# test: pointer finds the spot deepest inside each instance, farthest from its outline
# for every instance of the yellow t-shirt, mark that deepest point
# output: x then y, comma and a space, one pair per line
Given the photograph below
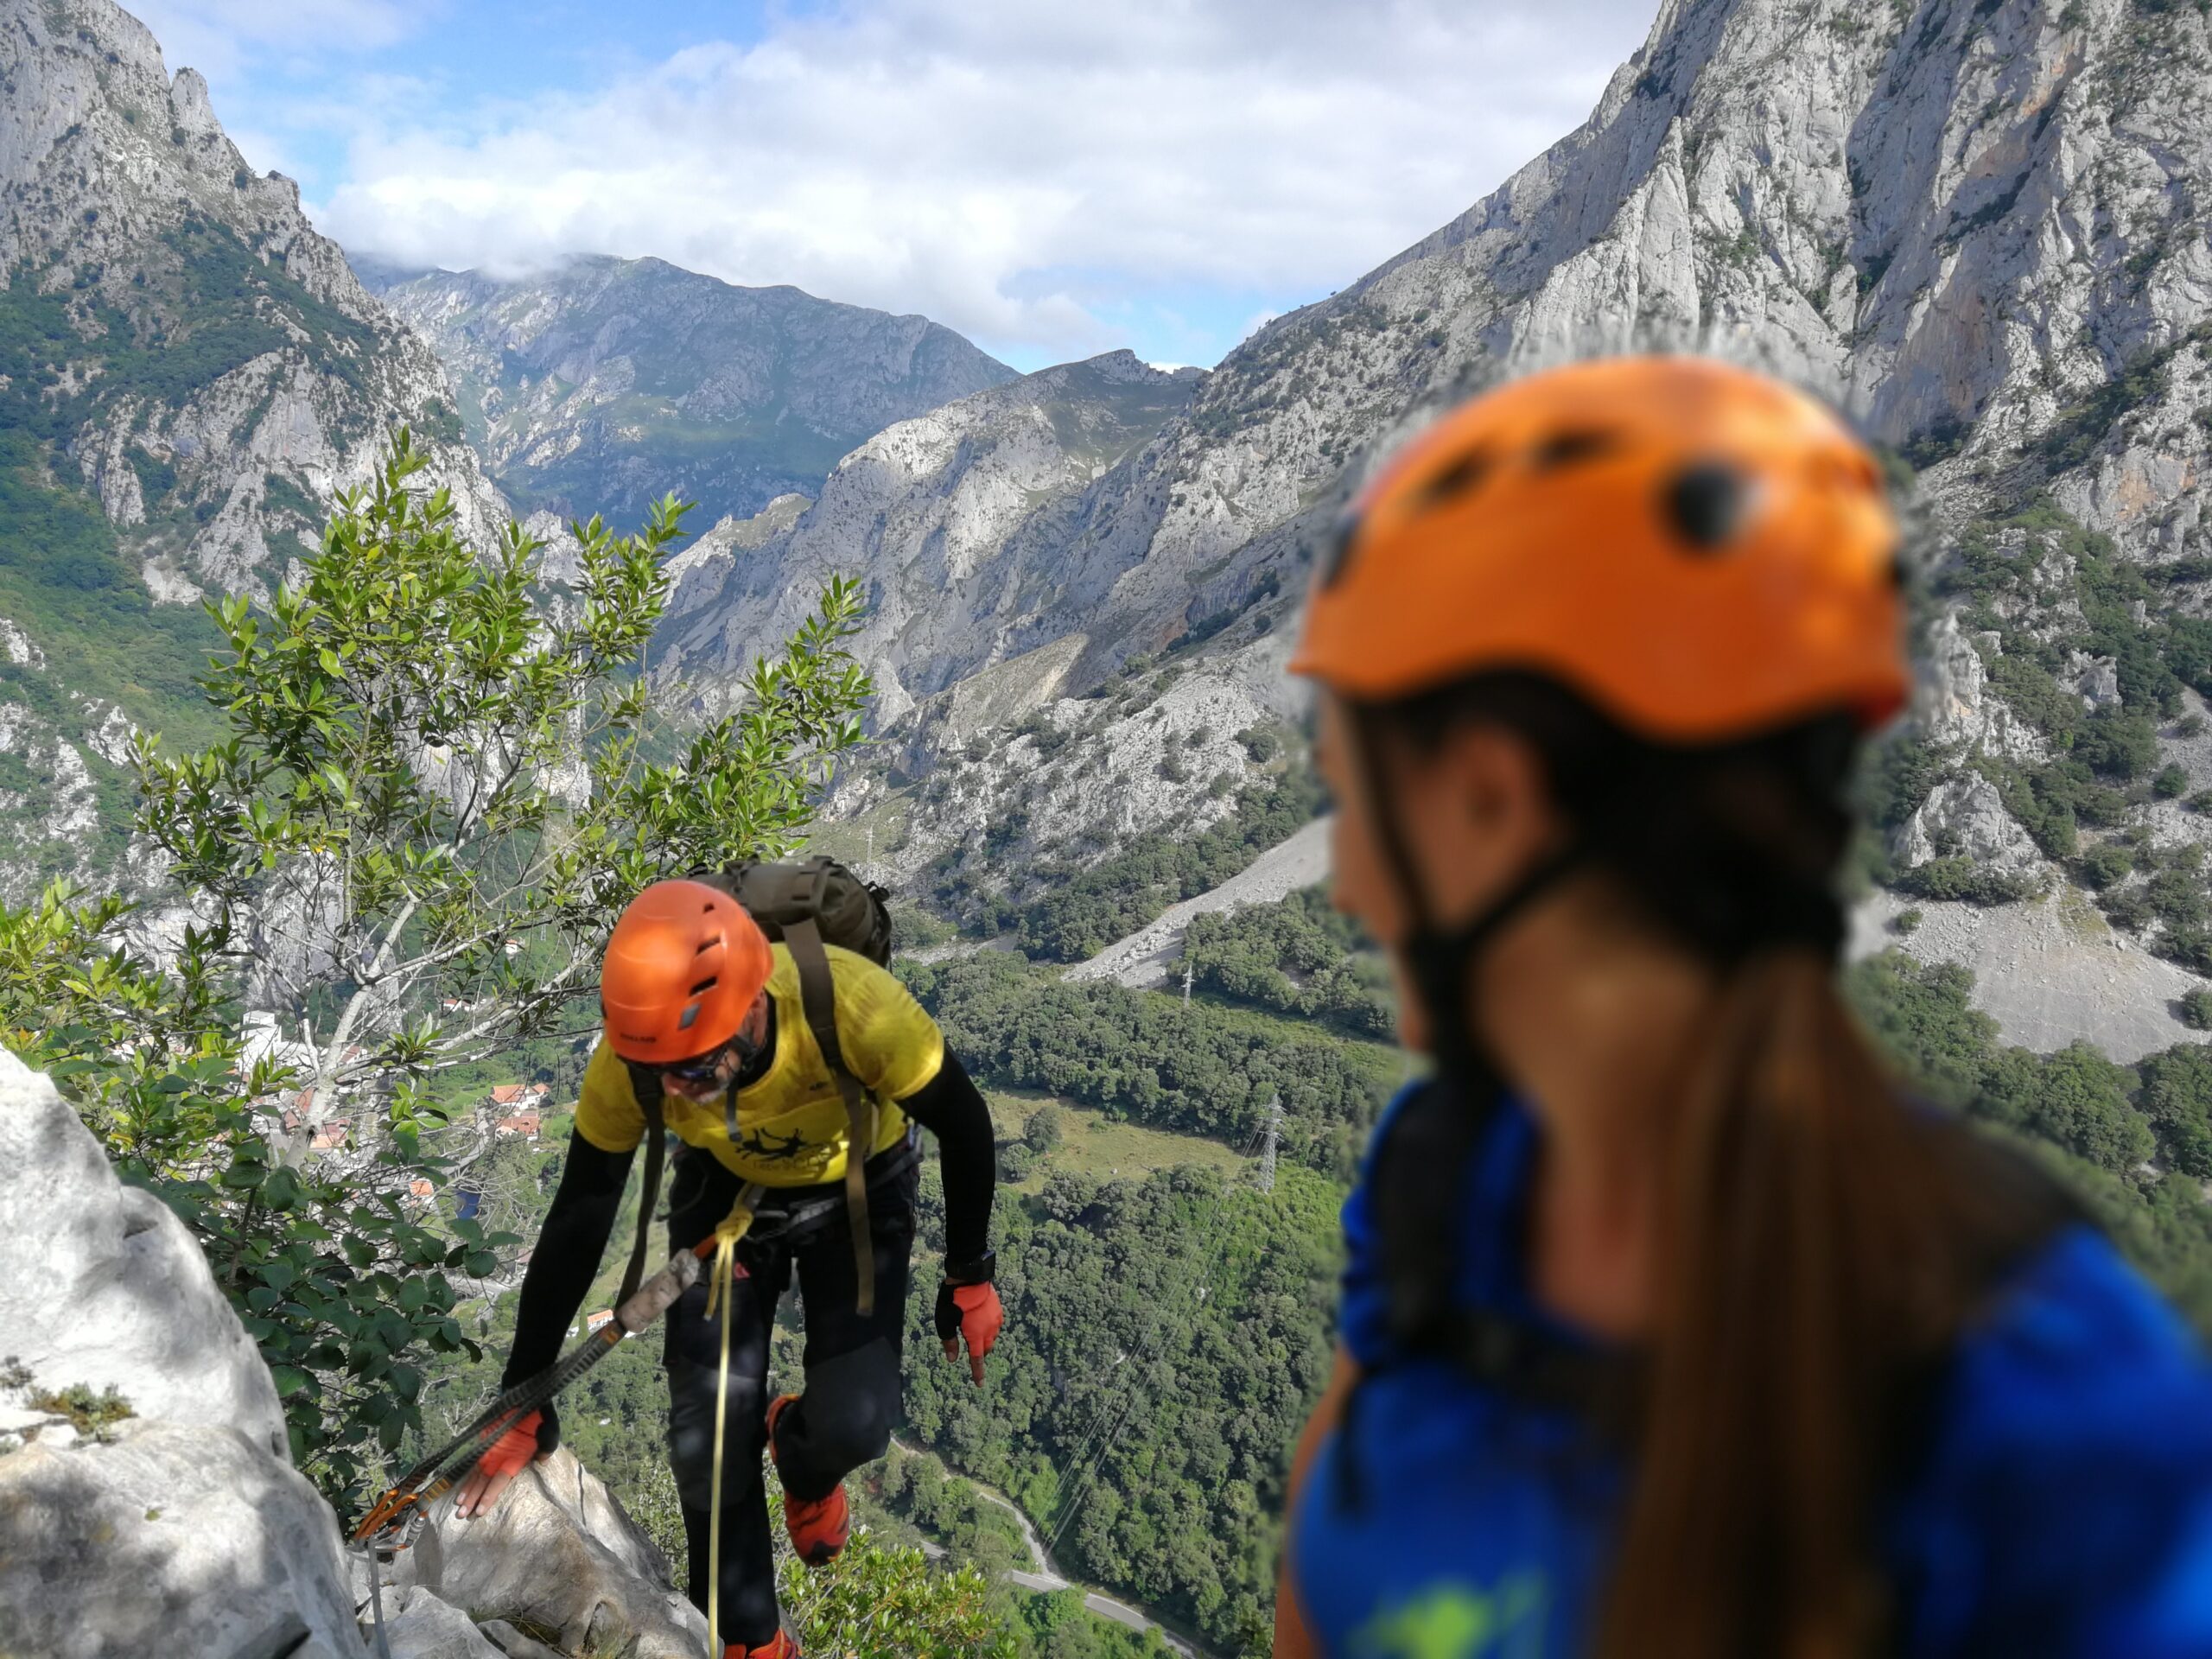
791, 1124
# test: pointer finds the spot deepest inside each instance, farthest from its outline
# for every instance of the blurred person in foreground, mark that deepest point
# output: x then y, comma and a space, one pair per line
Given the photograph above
1670, 1326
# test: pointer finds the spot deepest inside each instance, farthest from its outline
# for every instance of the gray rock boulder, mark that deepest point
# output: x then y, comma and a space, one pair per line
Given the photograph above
170, 1538
560, 1553
1965, 816
101, 1285
424, 1627
182, 1528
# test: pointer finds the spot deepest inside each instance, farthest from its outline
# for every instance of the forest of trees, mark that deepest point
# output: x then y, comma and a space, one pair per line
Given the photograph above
1199, 1070
2096, 1122
1166, 1338
1297, 956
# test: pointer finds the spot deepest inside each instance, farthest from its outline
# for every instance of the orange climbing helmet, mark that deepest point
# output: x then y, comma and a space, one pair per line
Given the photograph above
684, 967
1699, 550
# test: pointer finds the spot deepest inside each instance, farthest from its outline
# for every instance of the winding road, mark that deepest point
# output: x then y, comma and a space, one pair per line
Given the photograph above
1044, 1576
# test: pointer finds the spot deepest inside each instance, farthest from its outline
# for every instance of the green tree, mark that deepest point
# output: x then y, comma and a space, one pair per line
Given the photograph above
441, 781
436, 784
1045, 1128
2178, 1096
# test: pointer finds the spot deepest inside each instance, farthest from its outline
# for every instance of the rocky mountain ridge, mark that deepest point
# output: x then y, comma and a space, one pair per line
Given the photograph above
1978, 224
602, 385
220, 361
188, 373
923, 512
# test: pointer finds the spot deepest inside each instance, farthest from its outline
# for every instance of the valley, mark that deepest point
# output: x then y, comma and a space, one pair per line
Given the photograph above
1079, 764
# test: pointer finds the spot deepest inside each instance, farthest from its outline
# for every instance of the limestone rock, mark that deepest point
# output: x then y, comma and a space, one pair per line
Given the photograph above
173, 1538
560, 1553
101, 1285
423, 1626
1966, 816
942, 515
121, 187
1954, 708
513, 1644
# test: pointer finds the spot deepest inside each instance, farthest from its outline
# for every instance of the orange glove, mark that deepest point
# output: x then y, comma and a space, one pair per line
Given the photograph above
970, 1312
511, 1452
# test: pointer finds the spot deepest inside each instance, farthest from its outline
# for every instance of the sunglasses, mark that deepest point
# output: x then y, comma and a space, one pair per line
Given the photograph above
708, 1067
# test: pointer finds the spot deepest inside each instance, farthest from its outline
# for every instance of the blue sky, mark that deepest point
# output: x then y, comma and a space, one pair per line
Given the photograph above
1051, 181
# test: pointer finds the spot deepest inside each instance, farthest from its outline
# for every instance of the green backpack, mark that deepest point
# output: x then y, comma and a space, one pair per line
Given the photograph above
805, 906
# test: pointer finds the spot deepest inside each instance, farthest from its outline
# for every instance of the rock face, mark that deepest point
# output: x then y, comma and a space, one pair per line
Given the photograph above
1964, 817
101, 1285
561, 1555
219, 371
605, 384
1975, 226
147, 1504
188, 373
172, 1540
1961, 221
181, 1528
934, 514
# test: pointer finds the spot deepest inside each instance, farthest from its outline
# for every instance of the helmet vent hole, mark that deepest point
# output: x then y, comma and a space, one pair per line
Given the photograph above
1706, 503
1339, 550
706, 984
1576, 446
1462, 474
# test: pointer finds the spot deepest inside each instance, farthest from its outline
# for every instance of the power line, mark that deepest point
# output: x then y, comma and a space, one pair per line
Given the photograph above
1275, 1136
1092, 1457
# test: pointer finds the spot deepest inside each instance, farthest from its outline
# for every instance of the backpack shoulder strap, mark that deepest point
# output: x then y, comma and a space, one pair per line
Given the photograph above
818, 990
645, 1083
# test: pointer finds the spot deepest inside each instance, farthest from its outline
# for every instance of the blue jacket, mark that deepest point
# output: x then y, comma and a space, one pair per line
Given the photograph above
2065, 1508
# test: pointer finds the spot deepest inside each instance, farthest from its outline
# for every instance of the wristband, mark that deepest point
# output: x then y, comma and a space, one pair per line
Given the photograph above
980, 1271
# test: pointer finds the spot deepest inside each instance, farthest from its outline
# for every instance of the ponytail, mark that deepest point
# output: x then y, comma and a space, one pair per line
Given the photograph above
1822, 1239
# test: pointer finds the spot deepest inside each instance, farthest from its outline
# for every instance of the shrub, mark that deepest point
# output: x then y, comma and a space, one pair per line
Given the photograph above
1906, 921
2104, 864
1959, 877
2196, 1010
2171, 780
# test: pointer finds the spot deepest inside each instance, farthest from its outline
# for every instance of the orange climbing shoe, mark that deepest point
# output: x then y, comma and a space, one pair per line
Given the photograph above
818, 1528
786, 1646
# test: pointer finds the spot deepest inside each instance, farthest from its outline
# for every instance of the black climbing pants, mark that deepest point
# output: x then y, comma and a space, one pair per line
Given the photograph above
842, 1418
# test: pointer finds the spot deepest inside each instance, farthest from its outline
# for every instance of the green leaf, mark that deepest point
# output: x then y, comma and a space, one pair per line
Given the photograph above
282, 1190
290, 1380
482, 1264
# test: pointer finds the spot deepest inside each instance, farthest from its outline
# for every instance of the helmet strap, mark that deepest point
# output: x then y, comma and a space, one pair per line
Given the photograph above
1443, 959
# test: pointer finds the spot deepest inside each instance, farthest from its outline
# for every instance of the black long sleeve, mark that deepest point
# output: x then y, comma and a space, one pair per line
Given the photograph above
949, 1106
566, 1258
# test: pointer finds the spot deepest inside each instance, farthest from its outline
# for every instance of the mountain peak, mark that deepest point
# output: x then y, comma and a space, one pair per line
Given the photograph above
600, 384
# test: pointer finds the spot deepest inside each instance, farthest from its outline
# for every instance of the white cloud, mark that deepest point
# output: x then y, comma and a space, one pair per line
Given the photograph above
994, 163
218, 36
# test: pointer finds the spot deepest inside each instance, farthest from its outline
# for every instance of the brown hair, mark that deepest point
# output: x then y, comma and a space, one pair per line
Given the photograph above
1823, 1239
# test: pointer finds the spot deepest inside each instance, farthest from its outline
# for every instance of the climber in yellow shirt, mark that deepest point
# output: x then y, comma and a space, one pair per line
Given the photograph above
695, 996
